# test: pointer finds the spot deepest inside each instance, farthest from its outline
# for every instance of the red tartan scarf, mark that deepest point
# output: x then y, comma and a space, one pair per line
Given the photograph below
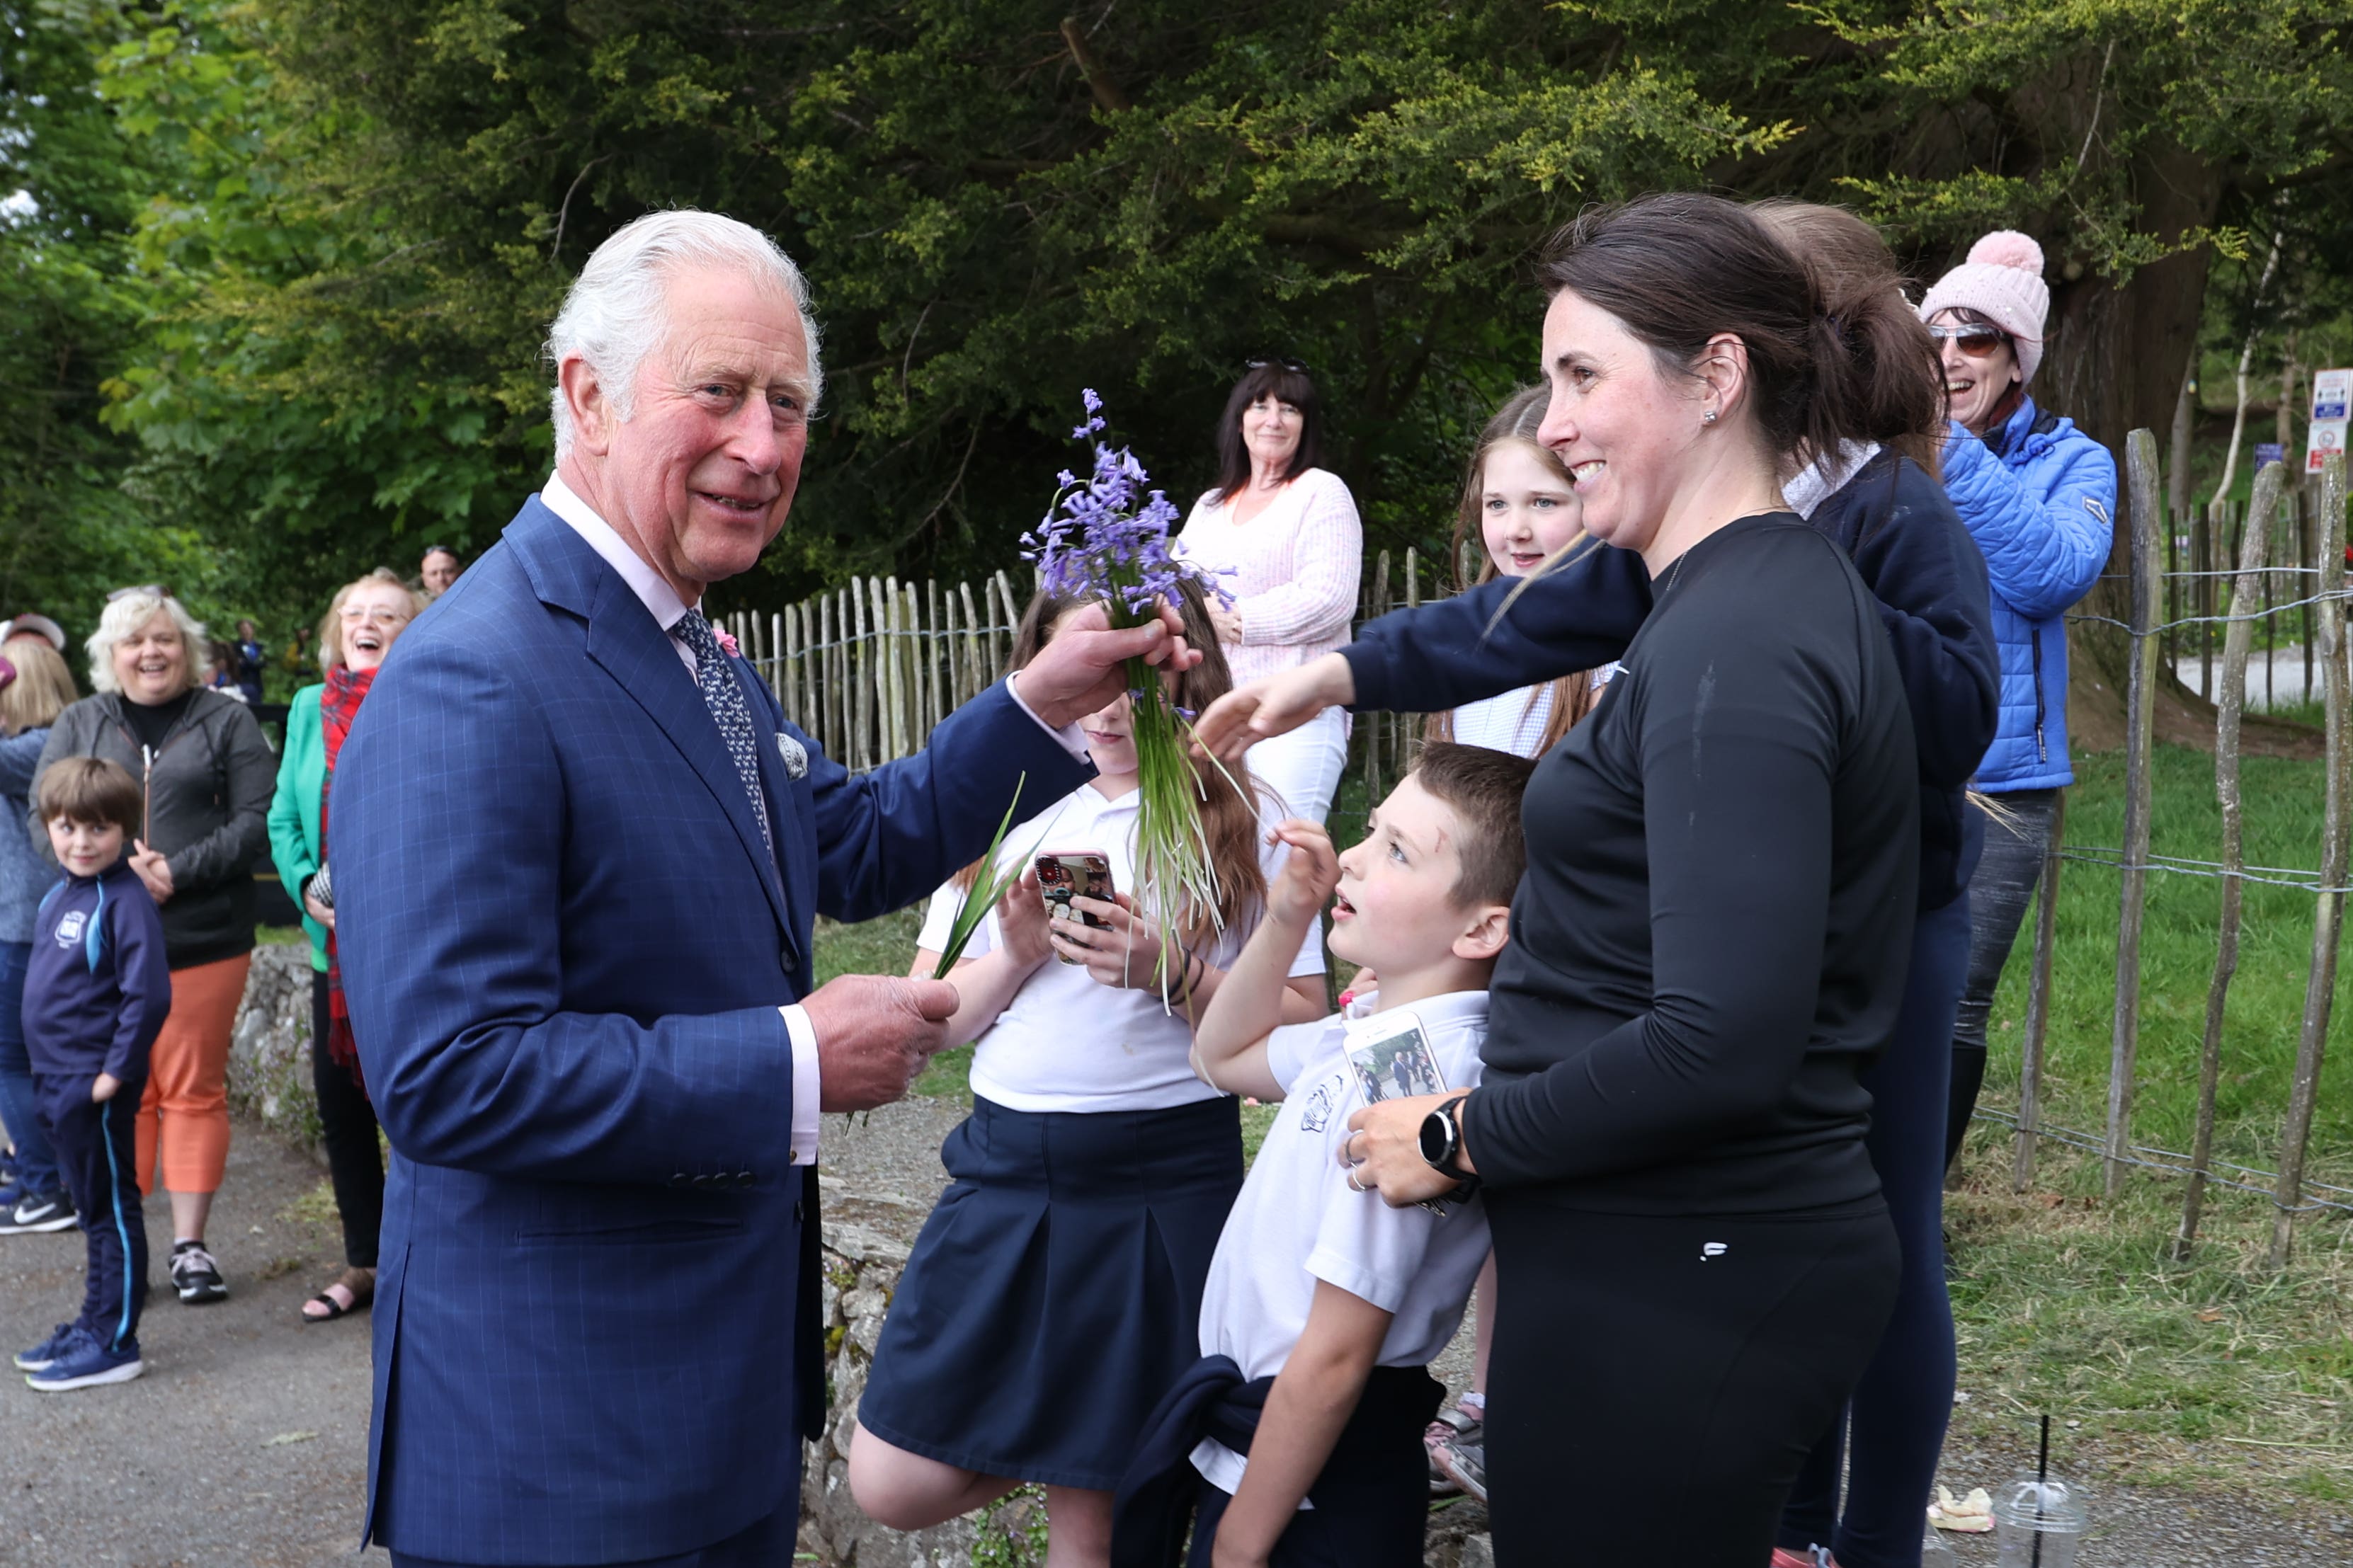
339, 704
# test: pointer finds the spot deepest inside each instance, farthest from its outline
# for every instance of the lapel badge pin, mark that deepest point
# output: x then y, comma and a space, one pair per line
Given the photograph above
796, 757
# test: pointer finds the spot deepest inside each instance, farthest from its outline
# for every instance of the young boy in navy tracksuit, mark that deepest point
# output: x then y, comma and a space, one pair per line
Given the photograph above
95, 993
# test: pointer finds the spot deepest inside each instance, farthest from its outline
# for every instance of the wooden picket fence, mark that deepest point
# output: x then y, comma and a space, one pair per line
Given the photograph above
2202, 549
868, 670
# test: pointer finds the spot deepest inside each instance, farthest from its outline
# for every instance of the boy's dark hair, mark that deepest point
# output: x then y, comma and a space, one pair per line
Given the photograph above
1482, 788
90, 789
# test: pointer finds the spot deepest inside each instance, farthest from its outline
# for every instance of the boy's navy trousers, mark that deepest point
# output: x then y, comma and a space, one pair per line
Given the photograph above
94, 1145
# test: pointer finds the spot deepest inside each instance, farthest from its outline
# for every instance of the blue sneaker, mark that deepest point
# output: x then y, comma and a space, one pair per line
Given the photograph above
88, 1363
42, 1356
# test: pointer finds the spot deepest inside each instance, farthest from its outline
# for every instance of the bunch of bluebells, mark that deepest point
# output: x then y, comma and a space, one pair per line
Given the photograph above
1106, 537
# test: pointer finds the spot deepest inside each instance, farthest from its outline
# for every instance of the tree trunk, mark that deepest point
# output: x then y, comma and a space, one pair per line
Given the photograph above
2115, 362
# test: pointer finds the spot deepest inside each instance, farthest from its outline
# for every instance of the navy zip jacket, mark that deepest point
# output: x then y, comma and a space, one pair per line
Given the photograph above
97, 987
1908, 545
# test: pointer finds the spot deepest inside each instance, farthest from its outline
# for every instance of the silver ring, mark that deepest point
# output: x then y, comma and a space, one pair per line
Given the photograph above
1354, 1185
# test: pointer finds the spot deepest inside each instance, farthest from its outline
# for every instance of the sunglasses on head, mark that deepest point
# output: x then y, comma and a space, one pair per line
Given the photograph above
1977, 341
1296, 367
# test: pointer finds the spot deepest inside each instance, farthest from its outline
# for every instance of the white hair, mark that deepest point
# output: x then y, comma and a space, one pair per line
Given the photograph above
617, 310
127, 615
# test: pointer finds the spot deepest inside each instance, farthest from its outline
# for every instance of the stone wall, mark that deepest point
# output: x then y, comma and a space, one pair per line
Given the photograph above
270, 1046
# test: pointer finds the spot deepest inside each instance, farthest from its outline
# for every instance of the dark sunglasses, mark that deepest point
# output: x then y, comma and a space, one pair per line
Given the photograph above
1296, 367
1977, 341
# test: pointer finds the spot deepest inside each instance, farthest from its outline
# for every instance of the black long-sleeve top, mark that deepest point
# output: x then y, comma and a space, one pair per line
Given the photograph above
1896, 523
1712, 937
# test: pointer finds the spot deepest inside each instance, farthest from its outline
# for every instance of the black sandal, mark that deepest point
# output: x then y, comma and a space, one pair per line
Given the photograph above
362, 1295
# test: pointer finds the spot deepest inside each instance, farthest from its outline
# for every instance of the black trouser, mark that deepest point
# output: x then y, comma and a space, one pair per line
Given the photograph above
347, 1126
1372, 1498
2000, 891
96, 1148
1905, 1399
1657, 1380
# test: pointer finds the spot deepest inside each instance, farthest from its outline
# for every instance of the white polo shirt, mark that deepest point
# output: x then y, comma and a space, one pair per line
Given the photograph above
1066, 1042
1298, 1221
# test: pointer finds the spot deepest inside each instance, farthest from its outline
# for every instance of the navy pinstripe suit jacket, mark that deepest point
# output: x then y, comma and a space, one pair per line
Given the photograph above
565, 945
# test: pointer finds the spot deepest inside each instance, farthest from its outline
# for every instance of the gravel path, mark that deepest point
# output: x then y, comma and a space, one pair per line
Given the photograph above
244, 1447
244, 1444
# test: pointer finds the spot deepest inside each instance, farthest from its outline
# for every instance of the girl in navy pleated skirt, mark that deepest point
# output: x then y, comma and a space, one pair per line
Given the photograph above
1055, 1291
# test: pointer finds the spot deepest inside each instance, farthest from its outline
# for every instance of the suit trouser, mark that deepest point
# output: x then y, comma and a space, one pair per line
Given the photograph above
94, 1142
768, 1543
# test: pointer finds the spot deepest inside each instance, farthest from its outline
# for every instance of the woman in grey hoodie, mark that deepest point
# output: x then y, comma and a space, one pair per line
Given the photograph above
208, 775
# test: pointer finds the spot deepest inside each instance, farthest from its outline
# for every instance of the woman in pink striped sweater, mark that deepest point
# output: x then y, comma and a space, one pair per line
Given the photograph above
1283, 536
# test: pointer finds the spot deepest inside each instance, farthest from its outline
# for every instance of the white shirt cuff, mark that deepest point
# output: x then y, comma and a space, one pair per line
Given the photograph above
803, 1034
1073, 738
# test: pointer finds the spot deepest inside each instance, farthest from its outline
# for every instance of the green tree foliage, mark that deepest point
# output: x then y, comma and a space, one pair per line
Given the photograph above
71, 307
350, 221
994, 211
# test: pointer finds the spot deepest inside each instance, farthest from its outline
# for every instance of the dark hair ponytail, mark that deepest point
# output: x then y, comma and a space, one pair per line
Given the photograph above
1679, 269
1889, 361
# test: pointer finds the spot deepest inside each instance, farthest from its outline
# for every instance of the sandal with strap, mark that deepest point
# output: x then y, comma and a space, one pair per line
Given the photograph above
1444, 1428
360, 1282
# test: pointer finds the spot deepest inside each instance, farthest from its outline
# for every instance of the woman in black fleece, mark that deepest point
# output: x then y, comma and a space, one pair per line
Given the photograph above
1712, 939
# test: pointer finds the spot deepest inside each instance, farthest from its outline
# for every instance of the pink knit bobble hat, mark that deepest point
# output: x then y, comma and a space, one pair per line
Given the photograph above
2001, 280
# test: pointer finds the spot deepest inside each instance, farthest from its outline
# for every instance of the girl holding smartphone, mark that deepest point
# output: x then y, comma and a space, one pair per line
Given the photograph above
1055, 1292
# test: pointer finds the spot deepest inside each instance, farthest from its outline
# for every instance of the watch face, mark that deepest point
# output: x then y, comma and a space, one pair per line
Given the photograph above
1434, 1140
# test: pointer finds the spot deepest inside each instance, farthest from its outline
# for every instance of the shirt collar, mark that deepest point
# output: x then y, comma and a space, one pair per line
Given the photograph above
661, 600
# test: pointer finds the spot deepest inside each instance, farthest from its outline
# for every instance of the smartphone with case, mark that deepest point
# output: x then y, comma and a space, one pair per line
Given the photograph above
1390, 1059
1074, 874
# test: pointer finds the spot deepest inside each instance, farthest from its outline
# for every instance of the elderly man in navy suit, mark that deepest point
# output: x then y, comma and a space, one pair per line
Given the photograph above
575, 852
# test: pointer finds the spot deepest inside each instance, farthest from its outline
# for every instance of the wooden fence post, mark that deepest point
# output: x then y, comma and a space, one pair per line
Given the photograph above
2320, 985
2038, 1002
934, 661
2255, 542
2140, 709
976, 670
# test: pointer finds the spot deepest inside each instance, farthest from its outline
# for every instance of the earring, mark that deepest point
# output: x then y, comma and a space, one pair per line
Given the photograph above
1708, 417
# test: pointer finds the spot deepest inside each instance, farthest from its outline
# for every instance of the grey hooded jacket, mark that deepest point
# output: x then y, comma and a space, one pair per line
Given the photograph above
208, 788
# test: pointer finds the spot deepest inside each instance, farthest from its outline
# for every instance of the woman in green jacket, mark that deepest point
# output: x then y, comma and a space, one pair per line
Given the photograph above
365, 619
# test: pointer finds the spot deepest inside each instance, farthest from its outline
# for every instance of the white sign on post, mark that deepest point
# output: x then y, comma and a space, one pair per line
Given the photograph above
2332, 401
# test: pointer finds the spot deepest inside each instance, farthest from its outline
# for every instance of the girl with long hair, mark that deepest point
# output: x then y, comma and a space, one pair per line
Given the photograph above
1055, 1292
1519, 509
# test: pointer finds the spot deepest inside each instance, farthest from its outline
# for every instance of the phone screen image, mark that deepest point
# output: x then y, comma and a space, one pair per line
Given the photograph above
1395, 1061
1081, 874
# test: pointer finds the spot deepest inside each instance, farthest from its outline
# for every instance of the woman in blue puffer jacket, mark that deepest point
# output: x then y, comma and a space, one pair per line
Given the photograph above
2039, 496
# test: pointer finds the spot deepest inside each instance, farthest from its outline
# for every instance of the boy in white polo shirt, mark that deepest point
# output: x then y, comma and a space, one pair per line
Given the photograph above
1299, 1433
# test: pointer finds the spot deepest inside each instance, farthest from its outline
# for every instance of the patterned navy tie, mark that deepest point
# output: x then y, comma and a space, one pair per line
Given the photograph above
716, 675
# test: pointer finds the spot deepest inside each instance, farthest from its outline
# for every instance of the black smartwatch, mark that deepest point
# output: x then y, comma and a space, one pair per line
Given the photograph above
1442, 1144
